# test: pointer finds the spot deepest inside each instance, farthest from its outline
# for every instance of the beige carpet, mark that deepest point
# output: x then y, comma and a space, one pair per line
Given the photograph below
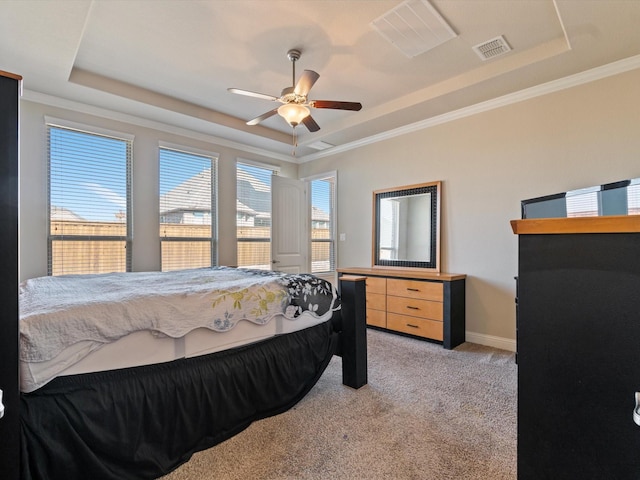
427, 413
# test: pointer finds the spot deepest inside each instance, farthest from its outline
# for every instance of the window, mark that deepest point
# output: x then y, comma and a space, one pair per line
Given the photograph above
187, 210
323, 241
583, 203
389, 229
633, 197
253, 216
89, 201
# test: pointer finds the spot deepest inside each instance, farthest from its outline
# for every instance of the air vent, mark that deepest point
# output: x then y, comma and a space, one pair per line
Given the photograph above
320, 145
492, 48
414, 27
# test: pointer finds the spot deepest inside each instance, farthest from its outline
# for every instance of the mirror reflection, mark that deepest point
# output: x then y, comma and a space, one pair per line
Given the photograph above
406, 227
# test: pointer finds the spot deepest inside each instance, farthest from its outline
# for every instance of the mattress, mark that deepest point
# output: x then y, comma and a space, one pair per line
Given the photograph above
149, 318
144, 348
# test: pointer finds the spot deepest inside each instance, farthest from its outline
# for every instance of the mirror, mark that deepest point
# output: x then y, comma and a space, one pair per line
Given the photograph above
406, 227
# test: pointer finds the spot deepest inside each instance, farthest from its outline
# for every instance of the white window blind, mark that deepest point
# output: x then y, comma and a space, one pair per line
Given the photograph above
187, 210
323, 241
389, 228
89, 202
253, 216
633, 198
583, 202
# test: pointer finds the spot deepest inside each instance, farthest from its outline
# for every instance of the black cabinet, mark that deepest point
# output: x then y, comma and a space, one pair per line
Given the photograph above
10, 423
579, 350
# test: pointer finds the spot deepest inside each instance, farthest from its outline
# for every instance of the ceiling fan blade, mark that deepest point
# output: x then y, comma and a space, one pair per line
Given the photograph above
355, 106
310, 123
252, 94
308, 78
262, 117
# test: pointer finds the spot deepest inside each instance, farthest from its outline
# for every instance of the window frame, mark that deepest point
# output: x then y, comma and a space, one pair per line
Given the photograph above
275, 170
333, 222
213, 238
60, 124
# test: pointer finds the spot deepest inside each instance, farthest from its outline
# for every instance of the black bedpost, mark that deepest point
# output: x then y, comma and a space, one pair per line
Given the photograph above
454, 314
353, 340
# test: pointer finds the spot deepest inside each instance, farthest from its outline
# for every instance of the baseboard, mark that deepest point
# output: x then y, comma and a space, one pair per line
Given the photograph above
491, 341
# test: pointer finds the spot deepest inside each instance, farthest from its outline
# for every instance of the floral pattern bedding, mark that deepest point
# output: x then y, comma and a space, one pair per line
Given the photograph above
56, 312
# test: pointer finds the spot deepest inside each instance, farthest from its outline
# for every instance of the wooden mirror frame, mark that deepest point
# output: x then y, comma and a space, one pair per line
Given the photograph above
433, 264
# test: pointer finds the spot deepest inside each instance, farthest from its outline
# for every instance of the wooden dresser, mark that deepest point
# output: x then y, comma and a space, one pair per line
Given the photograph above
423, 304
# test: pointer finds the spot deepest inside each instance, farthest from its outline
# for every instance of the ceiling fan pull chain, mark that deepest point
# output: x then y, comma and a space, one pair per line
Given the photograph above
295, 141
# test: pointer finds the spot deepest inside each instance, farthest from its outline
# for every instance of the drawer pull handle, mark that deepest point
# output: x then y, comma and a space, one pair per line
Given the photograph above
413, 289
412, 326
413, 308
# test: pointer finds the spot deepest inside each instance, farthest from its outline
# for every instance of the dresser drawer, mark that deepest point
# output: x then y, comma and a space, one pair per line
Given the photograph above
376, 285
415, 289
377, 318
377, 301
413, 301
415, 326
415, 307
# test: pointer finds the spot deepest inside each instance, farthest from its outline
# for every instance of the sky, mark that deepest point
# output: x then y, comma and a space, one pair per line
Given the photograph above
85, 168
89, 177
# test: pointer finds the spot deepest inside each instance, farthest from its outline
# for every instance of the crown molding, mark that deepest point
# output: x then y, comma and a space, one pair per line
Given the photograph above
588, 76
58, 102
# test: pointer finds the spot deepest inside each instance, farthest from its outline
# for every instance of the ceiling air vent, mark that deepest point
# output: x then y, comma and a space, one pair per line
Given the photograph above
320, 145
492, 48
414, 27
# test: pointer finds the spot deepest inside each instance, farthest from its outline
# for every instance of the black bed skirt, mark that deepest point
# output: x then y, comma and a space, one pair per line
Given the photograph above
143, 422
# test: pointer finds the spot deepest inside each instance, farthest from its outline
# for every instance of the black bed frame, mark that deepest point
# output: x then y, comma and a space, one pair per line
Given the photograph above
143, 422
352, 346
353, 339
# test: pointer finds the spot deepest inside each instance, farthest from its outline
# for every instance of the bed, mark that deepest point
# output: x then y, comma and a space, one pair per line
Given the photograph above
127, 375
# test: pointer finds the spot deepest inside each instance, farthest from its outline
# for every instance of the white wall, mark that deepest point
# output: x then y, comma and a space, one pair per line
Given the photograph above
146, 244
584, 136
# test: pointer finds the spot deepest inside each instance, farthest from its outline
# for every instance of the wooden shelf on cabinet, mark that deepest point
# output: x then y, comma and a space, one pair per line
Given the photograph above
422, 304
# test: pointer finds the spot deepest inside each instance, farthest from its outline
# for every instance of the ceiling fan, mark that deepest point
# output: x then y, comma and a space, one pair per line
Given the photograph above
294, 99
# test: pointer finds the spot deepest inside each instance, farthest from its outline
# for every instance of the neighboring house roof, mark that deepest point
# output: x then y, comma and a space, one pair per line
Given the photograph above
319, 214
241, 207
64, 214
255, 194
197, 190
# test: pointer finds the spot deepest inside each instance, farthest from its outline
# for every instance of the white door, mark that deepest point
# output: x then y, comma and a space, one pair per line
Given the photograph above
290, 214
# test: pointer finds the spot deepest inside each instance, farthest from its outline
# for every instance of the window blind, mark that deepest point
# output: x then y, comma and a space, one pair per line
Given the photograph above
89, 192
187, 210
253, 216
323, 241
583, 203
633, 198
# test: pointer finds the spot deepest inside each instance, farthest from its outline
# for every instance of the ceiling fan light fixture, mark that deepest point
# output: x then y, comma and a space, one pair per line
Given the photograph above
293, 113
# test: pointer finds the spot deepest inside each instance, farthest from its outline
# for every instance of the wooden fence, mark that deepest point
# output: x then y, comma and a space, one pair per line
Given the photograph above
99, 256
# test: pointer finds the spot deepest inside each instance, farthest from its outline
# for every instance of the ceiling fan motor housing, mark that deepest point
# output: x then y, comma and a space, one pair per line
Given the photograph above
289, 96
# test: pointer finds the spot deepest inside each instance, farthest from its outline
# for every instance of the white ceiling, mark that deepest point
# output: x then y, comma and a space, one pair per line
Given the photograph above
171, 61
